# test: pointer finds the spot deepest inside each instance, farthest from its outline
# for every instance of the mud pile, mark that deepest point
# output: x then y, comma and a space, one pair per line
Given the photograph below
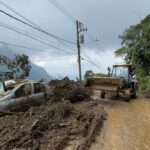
66, 89
51, 126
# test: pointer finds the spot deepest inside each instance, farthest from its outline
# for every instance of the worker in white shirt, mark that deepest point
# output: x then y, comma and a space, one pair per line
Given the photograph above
133, 80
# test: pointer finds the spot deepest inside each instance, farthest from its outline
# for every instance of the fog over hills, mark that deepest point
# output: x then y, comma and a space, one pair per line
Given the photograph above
36, 72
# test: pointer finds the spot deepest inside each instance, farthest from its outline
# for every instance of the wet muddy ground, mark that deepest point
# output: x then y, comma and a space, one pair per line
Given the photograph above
127, 126
55, 126
94, 125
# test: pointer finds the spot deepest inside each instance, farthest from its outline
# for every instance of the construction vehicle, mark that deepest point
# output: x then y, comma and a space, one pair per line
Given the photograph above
116, 83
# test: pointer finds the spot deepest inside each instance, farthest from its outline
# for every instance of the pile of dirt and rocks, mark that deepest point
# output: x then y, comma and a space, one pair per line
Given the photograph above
66, 89
54, 126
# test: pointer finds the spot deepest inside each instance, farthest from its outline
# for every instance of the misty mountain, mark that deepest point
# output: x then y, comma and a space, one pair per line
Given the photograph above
36, 72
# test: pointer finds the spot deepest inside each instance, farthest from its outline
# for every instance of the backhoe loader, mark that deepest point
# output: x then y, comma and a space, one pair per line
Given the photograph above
117, 83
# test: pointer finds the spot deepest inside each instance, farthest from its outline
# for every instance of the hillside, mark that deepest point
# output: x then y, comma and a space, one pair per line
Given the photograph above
36, 72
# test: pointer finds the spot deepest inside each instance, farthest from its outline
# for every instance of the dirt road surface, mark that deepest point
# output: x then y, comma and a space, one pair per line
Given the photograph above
126, 128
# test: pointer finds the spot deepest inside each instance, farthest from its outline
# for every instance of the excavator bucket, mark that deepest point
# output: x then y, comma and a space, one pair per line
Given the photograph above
104, 84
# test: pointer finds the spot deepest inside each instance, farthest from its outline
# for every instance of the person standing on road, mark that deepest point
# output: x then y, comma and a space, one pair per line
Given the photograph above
133, 80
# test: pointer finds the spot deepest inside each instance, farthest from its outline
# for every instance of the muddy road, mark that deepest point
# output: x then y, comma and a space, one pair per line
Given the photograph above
126, 128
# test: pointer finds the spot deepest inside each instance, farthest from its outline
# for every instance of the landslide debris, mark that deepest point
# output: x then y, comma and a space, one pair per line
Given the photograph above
56, 124
51, 126
66, 89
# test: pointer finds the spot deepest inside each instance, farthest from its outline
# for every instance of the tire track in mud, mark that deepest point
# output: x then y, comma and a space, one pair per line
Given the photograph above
127, 127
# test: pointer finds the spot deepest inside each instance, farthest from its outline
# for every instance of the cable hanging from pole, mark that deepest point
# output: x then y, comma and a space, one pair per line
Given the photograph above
45, 32
24, 47
25, 18
63, 10
50, 45
53, 59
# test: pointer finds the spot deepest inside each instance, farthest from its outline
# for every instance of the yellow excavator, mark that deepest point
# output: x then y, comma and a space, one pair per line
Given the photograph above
117, 83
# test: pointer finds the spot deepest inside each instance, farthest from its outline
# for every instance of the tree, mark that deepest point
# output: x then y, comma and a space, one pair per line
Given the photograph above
19, 67
22, 63
136, 47
88, 74
100, 75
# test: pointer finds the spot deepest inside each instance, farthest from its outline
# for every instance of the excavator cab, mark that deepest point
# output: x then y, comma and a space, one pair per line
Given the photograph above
123, 72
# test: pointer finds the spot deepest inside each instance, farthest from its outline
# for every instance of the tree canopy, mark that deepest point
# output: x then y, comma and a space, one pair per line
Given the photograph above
136, 46
19, 67
136, 50
90, 73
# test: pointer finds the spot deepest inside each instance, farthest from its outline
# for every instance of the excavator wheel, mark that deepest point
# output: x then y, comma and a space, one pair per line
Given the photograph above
102, 94
127, 99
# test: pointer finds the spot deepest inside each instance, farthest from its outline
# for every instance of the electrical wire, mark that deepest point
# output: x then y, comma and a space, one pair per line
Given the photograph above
28, 48
20, 46
70, 16
20, 15
52, 59
50, 45
63, 10
29, 33
96, 44
12, 38
41, 30
25, 18
92, 63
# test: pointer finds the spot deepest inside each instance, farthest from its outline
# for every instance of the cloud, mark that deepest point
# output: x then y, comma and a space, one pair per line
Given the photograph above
105, 20
68, 65
50, 60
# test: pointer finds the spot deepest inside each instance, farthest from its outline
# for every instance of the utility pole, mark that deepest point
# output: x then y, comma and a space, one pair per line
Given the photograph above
80, 29
78, 47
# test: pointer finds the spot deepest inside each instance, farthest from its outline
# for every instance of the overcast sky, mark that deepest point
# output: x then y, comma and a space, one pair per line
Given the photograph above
105, 20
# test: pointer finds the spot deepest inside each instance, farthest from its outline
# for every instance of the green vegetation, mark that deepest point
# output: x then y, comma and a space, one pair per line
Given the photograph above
145, 83
100, 75
90, 73
18, 67
136, 50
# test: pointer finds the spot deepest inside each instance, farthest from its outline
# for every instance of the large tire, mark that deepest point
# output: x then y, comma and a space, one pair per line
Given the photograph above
134, 95
127, 98
102, 94
117, 95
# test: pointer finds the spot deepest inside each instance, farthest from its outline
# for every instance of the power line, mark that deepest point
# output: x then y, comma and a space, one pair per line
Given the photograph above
63, 10
12, 38
30, 34
72, 18
92, 63
20, 46
41, 30
22, 30
25, 18
88, 57
8, 7
34, 38
52, 59
24, 47
90, 37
